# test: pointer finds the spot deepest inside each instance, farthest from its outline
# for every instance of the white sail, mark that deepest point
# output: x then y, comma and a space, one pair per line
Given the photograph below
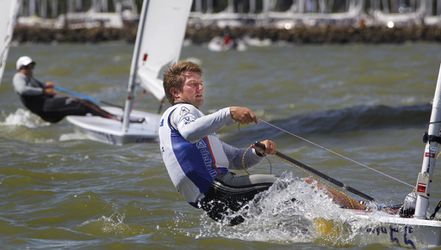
159, 39
161, 42
8, 12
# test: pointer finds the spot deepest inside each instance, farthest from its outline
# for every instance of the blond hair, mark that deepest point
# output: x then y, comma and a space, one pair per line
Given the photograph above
174, 78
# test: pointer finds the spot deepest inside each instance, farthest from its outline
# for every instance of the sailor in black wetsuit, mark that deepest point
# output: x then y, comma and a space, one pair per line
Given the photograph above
40, 98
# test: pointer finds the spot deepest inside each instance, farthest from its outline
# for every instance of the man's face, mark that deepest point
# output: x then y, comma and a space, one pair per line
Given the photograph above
27, 70
192, 90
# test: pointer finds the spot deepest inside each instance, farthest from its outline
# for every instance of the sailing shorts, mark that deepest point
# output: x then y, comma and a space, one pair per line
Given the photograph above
231, 192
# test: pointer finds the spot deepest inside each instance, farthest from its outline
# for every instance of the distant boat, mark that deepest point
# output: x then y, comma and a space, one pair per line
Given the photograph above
8, 13
161, 31
219, 44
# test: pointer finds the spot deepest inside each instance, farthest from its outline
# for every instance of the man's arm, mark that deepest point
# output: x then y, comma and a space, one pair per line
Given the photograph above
193, 125
20, 86
237, 158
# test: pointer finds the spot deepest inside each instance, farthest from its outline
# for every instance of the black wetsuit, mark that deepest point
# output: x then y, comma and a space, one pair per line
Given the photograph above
52, 108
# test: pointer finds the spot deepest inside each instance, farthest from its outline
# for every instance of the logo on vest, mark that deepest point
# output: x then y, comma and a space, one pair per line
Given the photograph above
184, 111
206, 156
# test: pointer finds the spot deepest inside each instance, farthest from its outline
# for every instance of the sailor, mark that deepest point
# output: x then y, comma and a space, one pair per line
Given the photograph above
40, 98
228, 39
198, 162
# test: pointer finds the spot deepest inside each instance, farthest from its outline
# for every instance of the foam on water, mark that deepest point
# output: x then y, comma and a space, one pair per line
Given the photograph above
273, 217
110, 225
73, 137
24, 118
256, 42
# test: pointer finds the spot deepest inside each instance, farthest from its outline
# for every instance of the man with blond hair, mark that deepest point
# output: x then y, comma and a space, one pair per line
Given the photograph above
197, 161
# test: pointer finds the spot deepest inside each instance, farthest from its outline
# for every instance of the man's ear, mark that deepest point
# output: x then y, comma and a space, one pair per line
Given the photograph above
175, 92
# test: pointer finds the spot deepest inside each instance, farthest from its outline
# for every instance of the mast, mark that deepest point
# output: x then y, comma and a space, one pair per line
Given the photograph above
430, 152
134, 67
8, 11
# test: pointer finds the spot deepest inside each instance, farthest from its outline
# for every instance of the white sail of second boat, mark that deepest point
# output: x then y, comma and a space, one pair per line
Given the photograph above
160, 35
8, 13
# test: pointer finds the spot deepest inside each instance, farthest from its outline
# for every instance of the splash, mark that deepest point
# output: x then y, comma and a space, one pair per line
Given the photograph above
256, 42
24, 118
274, 216
110, 225
73, 137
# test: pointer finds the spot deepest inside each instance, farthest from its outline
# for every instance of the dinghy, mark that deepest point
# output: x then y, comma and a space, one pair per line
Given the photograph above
161, 31
218, 44
419, 228
8, 12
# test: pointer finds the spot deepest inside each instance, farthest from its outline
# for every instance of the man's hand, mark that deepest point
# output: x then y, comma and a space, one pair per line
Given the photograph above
270, 147
50, 84
265, 147
243, 115
49, 91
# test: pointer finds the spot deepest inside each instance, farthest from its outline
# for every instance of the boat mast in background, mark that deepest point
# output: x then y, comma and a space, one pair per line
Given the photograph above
134, 68
161, 32
8, 13
158, 44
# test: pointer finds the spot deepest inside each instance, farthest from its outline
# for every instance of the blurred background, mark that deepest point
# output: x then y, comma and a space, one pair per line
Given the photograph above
297, 21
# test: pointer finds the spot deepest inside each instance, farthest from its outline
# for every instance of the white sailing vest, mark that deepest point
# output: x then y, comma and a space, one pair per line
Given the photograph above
192, 166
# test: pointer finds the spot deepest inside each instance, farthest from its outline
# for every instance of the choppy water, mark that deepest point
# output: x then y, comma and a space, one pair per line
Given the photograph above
368, 102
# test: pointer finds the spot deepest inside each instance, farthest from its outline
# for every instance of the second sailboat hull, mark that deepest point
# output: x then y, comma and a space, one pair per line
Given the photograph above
110, 131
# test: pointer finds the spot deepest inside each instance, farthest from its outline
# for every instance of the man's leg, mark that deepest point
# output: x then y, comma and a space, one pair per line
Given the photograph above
62, 106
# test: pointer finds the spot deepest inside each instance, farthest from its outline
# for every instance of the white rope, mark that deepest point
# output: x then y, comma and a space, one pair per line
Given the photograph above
337, 154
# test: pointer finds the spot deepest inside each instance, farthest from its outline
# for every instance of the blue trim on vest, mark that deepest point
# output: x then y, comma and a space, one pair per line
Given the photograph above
191, 159
195, 159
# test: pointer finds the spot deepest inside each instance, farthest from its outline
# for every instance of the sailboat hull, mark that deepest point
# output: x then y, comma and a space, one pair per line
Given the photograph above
408, 232
110, 131
388, 229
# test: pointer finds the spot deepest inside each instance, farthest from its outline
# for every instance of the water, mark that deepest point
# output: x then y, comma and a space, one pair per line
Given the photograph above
368, 102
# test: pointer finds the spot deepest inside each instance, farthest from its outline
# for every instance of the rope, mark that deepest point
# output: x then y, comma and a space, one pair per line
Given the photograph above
243, 159
244, 165
436, 210
337, 154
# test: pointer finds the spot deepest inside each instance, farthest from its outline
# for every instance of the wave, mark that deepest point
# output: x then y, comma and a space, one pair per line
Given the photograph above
362, 117
23, 118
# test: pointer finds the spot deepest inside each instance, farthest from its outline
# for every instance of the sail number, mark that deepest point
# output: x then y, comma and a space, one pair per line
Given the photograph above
397, 235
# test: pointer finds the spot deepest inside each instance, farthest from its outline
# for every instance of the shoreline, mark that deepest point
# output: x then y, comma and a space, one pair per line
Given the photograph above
198, 35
